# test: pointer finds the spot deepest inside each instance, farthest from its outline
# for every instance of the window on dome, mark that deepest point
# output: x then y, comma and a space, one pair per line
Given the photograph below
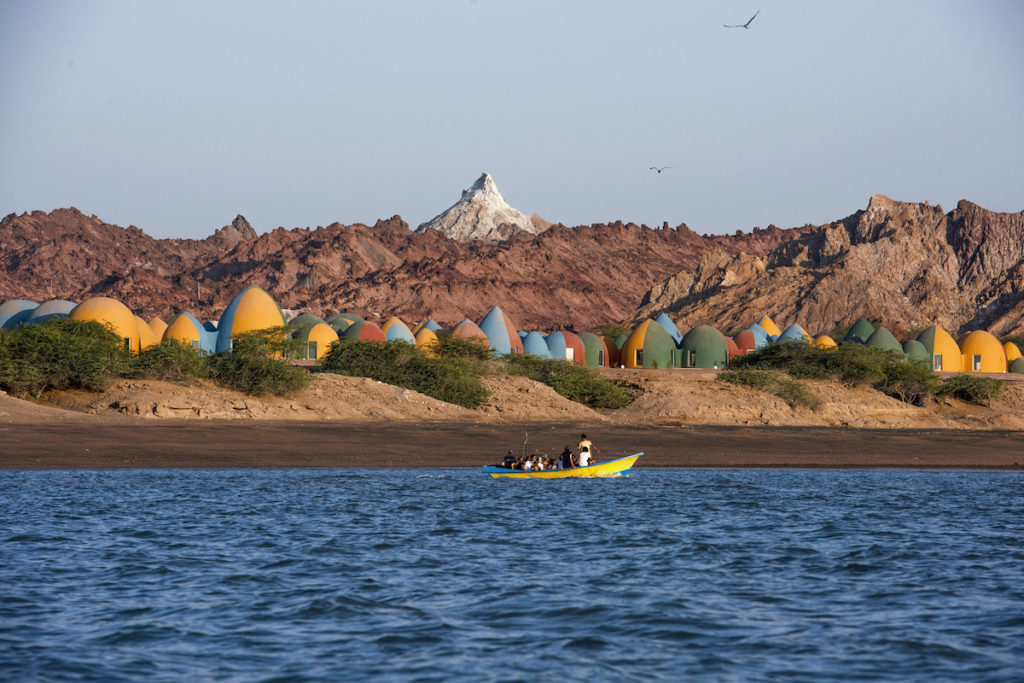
977, 362
937, 362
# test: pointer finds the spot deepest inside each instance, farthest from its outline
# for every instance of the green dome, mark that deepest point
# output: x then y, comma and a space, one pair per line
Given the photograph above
704, 347
860, 332
1017, 365
916, 352
884, 339
305, 319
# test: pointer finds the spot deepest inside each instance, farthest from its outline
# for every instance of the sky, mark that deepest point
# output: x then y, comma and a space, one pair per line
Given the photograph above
176, 116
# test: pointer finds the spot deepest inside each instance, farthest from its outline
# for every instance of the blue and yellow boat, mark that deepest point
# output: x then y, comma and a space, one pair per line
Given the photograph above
612, 468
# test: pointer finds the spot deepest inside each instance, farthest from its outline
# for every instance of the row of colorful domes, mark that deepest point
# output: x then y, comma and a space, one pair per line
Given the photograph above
657, 343
252, 309
977, 351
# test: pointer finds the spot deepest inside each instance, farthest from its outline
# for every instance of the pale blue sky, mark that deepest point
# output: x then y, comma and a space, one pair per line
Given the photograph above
175, 116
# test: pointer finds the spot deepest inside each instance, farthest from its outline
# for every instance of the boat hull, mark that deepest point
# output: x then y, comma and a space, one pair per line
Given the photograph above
612, 468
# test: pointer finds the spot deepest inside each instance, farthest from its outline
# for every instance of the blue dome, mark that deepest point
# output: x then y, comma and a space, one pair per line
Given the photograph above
760, 336
670, 327
399, 331
15, 311
54, 308
534, 343
793, 333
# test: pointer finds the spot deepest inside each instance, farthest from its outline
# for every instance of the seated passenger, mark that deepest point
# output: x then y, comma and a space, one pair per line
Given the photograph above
568, 462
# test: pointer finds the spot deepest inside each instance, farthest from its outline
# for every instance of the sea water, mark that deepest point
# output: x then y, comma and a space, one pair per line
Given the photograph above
343, 574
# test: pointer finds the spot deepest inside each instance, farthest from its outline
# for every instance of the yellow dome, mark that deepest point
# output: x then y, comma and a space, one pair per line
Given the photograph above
825, 342
253, 309
185, 329
943, 349
147, 337
426, 340
325, 338
769, 326
634, 343
158, 326
1012, 352
982, 352
112, 313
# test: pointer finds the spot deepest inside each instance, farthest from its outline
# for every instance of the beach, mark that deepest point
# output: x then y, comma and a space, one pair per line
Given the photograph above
126, 443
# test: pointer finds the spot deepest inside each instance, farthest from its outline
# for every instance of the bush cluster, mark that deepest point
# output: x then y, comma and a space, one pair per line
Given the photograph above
60, 354
971, 388
774, 382
574, 382
857, 364
70, 354
454, 377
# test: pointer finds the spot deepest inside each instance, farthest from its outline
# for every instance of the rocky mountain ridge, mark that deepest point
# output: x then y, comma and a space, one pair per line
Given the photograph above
903, 264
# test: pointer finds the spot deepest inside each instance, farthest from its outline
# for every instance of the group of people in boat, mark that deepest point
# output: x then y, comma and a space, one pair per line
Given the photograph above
583, 457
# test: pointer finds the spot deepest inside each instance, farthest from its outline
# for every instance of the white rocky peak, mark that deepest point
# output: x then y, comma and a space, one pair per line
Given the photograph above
483, 214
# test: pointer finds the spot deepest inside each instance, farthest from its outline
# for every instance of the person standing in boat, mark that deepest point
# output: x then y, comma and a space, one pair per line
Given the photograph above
586, 448
510, 460
568, 461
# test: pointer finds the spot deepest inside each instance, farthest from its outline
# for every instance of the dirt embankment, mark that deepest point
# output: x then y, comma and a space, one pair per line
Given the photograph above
663, 398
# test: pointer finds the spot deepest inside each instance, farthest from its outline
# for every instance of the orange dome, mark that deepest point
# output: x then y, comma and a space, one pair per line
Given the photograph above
147, 337
982, 352
426, 340
112, 313
158, 326
825, 342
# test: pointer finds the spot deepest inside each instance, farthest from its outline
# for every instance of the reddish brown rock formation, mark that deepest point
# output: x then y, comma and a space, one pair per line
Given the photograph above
904, 265
576, 277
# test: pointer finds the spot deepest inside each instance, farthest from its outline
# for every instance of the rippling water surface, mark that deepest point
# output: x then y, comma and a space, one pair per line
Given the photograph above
437, 575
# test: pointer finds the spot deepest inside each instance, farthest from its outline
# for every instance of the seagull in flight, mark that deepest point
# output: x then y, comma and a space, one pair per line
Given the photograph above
746, 25
659, 170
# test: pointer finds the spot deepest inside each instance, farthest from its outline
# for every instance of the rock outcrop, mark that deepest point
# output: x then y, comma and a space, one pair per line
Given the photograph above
907, 265
483, 214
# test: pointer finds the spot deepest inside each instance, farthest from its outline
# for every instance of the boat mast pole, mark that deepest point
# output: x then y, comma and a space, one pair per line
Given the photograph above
526, 445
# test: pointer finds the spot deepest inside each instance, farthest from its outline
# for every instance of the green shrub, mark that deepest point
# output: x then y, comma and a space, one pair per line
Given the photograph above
971, 388
255, 363
454, 378
574, 382
797, 395
749, 377
171, 360
456, 347
257, 375
908, 382
60, 354
272, 342
851, 363
774, 382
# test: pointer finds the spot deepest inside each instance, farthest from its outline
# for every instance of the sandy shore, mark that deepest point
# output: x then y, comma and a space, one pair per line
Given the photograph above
133, 443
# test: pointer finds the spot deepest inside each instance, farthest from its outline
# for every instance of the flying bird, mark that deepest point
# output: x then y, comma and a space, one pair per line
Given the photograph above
659, 170
746, 25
